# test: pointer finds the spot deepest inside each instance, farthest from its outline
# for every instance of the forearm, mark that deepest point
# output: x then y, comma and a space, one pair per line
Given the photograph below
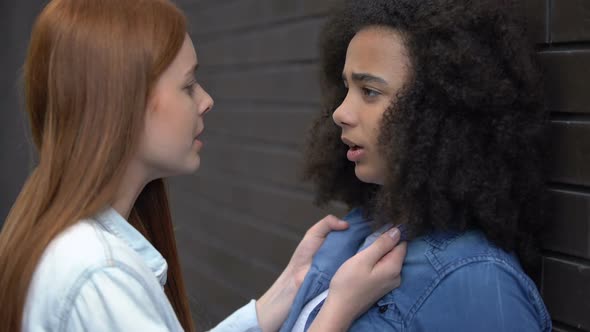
273, 307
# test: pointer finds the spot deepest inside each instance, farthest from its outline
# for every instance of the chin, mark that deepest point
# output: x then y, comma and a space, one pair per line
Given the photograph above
367, 175
363, 175
193, 167
188, 168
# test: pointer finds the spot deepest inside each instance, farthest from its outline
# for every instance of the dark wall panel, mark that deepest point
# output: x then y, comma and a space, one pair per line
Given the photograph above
570, 152
16, 19
536, 14
263, 122
257, 47
286, 83
567, 71
566, 290
262, 15
570, 21
569, 230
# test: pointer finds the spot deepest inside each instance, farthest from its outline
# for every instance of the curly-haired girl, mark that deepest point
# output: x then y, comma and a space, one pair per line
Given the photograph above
432, 119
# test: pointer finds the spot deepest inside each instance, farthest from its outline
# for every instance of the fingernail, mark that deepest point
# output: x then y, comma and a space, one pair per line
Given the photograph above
394, 234
342, 222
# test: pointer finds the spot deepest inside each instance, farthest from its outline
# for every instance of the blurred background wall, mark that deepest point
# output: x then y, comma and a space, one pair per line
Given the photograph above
16, 19
240, 217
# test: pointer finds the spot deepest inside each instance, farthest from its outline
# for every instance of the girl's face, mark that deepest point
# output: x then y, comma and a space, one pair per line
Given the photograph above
174, 120
376, 68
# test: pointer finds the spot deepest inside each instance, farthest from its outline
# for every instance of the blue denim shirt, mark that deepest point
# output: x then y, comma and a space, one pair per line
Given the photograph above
450, 282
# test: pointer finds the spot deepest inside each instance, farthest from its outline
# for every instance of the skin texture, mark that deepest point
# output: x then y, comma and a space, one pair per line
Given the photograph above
376, 69
169, 144
175, 118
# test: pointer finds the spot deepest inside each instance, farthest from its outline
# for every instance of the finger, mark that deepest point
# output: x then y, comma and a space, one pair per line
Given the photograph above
326, 225
390, 265
383, 245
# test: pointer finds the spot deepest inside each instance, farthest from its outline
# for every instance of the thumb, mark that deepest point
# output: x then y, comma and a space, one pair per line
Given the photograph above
383, 245
391, 263
326, 225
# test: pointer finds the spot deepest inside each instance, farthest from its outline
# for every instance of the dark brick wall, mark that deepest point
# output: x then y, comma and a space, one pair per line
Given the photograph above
563, 38
239, 218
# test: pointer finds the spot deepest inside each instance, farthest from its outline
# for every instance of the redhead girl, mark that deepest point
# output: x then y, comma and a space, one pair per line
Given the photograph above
115, 106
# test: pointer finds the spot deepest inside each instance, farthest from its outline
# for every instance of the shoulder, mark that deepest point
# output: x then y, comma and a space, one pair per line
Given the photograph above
471, 255
72, 261
461, 282
109, 298
477, 284
80, 248
482, 295
116, 298
448, 250
83, 247
440, 253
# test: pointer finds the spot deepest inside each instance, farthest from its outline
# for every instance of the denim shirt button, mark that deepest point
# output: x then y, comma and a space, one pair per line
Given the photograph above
383, 309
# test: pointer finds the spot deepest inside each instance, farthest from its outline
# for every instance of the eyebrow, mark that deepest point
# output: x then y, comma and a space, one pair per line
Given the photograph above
366, 78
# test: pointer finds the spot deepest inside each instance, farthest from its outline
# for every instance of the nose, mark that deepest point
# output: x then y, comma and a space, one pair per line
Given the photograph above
343, 116
206, 104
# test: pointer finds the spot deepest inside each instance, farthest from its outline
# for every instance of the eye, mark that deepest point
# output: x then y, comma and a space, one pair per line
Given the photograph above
190, 88
370, 92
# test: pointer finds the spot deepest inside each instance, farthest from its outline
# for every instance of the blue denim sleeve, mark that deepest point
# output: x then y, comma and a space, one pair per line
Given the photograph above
481, 296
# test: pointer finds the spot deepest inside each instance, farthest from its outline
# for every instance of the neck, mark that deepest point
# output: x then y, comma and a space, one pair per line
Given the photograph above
134, 181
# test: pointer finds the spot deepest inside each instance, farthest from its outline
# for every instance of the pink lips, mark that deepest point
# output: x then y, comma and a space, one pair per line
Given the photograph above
198, 144
355, 154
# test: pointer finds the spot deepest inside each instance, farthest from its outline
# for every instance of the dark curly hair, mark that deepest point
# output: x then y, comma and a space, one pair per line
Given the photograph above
462, 140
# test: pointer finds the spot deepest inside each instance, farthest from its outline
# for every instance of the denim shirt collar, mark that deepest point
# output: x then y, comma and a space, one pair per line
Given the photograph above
116, 225
337, 248
340, 246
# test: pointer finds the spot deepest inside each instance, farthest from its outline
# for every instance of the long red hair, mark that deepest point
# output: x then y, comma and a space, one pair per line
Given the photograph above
88, 75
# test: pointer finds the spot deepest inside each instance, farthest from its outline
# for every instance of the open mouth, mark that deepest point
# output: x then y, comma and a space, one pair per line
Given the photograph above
355, 153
